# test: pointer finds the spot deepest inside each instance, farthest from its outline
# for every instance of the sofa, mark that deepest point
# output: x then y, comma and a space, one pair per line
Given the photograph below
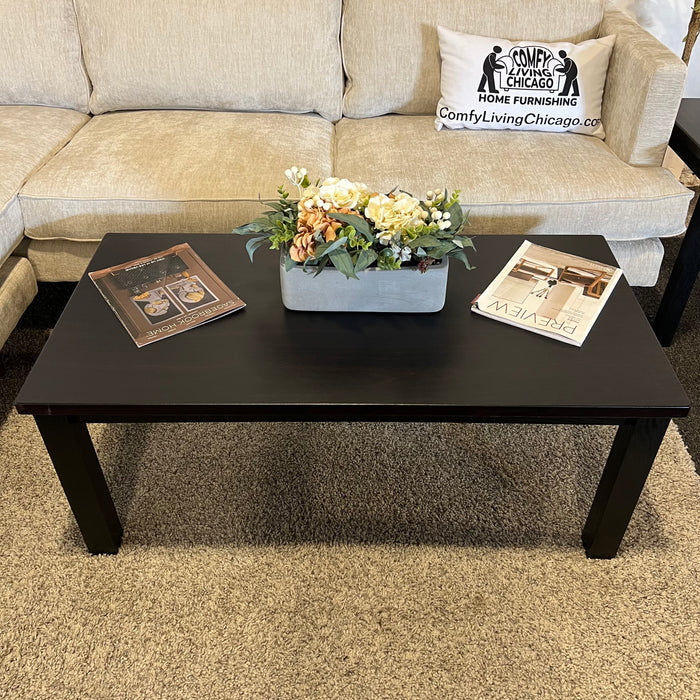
180, 116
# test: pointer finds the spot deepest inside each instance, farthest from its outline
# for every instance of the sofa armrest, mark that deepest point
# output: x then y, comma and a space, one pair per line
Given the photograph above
643, 91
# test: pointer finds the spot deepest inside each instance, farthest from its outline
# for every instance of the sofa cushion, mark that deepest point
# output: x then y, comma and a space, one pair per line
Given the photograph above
29, 136
213, 54
640, 260
11, 228
515, 182
40, 55
171, 171
59, 260
391, 53
17, 289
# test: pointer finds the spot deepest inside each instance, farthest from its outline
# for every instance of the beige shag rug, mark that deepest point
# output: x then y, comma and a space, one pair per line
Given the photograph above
347, 561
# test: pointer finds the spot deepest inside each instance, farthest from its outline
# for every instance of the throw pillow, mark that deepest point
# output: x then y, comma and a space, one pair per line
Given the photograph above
528, 85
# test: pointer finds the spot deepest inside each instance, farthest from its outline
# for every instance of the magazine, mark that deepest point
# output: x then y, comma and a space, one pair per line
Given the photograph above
164, 294
555, 294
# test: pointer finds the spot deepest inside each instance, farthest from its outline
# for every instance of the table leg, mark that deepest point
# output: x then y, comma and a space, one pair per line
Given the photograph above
73, 455
680, 284
631, 457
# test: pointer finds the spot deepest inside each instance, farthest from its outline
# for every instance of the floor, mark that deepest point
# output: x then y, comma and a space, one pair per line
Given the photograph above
683, 354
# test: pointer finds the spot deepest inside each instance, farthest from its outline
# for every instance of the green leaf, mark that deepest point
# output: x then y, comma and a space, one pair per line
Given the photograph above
460, 255
365, 259
289, 263
443, 248
424, 242
343, 262
321, 265
361, 225
467, 242
253, 244
326, 248
256, 226
456, 216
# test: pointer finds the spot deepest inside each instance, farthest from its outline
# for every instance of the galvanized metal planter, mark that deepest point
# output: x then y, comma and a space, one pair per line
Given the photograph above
405, 290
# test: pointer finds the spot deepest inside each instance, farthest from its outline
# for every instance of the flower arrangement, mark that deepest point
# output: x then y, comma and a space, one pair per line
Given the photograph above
345, 224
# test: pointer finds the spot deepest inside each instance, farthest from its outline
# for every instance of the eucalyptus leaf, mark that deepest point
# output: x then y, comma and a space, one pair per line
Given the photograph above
365, 259
343, 262
309, 262
256, 226
460, 255
321, 265
361, 225
244, 230
456, 215
289, 263
253, 244
443, 248
426, 241
326, 248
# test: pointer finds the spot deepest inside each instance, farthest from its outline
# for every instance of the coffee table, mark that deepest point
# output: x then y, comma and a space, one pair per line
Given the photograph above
269, 364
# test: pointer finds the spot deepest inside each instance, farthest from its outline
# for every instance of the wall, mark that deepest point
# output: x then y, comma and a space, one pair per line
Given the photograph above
668, 20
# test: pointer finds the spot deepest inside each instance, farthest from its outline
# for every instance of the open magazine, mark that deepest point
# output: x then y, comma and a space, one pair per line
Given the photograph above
164, 294
548, 292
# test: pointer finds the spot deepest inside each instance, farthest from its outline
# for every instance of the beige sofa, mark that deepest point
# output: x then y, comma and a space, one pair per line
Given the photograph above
129, 116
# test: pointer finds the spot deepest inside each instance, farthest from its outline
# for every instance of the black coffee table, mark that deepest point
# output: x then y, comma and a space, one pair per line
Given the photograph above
269, 364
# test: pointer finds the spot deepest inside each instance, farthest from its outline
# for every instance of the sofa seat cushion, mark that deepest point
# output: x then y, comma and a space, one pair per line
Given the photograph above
170, 171
515, 182
640, 260
59, 260
17, 289
11, 228
29, 136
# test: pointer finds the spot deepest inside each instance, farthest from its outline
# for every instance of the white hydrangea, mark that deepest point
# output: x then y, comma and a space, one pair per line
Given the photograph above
394, 214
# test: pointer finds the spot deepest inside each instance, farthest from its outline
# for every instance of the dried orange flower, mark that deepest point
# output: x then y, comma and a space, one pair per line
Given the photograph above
310, 222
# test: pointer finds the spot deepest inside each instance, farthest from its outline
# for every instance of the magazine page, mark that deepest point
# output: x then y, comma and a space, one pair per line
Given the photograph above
549, 292
165, 293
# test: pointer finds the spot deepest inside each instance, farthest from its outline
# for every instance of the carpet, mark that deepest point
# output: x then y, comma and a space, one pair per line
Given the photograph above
344, 561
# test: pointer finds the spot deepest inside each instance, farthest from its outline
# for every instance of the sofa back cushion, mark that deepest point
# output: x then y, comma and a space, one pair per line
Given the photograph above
391, 52
235, 55
40, 55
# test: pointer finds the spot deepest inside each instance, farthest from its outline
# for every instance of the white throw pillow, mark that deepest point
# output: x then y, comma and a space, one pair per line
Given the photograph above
528, 85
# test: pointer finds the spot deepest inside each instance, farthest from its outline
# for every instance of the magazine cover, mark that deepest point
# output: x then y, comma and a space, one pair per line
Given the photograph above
549, 292
164, 294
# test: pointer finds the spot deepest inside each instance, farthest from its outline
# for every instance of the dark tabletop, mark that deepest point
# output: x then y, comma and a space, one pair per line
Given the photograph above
269, 363
685, 139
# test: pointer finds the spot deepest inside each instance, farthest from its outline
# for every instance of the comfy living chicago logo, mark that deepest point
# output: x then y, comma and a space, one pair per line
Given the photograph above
530, 86
532, 68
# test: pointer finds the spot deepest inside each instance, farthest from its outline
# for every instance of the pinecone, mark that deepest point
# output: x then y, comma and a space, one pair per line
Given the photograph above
310, 222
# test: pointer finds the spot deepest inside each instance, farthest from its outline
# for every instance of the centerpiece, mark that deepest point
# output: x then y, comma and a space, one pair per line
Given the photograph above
373, 249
